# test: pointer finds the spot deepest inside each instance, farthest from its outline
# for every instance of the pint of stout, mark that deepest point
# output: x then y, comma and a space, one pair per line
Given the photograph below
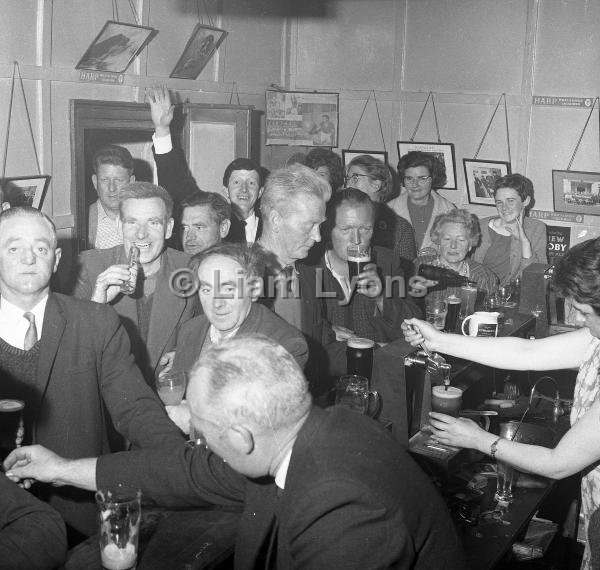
358, 257
453, 303
12, 428
359, 356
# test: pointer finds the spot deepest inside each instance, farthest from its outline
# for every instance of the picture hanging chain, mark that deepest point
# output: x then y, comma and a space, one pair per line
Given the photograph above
372, 92
115, 10
207, 11
16, 71
134, 12
437, 127
234, 87
502, 98
596, 100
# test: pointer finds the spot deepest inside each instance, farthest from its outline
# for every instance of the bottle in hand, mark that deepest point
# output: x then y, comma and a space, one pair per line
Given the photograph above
129, 287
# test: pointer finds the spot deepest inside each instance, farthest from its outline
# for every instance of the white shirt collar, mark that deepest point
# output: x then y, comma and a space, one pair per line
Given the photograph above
281, 473
12, 316
341, 279
251, 227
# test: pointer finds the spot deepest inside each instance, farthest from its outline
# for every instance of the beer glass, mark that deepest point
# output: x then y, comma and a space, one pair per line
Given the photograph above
468, 296
170, 387
359, 256
505, 472
446, 400
359, 356
435, 313
12, 427
352, 391
452, 314
119, 515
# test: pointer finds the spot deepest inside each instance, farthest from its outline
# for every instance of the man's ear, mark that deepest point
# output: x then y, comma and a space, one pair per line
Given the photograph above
224, 227
377, 184
5, 206
95, 182
275, 219
169, 228
132, 178
241, 439
526, 201
57, 255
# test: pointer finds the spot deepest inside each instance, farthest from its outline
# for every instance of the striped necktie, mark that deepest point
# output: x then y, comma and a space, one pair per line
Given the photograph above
31, 336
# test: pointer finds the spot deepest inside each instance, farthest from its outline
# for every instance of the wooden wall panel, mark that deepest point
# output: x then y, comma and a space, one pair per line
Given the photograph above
18, 31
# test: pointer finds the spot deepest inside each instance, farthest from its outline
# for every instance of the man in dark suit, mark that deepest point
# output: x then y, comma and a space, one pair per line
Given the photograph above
243, 179
32, 534
229, 278
69, 361
153, 312
319, 488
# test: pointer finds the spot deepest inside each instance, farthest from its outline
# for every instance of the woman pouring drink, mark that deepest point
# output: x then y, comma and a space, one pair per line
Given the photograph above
577, 278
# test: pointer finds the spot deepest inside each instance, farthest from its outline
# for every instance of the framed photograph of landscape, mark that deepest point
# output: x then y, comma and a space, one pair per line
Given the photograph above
480, 177
115, 47
442, 151
202, 45
25, 190
298, 118
348, 155
576, 192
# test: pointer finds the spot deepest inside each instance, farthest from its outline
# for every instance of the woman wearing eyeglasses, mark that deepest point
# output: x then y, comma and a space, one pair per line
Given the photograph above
375, 179
419, 203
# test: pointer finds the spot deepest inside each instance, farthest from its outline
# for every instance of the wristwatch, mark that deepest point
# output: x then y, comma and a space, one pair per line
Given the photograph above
494, 447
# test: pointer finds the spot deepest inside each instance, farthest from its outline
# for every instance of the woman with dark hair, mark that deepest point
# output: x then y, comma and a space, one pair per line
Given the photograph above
511, 241
327, 164
375, 304
375, 178
420, 173
577, 278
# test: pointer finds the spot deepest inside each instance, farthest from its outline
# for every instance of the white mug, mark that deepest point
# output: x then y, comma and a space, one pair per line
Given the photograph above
481, 323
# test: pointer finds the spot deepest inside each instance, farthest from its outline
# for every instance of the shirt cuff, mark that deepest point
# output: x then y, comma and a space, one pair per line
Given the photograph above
162, 145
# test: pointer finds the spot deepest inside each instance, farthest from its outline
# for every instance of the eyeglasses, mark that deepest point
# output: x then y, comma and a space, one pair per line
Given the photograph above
353, 178
419, 180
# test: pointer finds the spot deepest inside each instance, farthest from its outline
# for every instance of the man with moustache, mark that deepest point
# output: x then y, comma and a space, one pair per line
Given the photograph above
69, 361
153, 312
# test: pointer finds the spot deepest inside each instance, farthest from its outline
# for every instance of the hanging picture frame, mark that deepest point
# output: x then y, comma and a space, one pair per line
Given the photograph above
576, 192
480, 177
202, 45
348, 155
25, 190
116, 46
299, 118
442, 151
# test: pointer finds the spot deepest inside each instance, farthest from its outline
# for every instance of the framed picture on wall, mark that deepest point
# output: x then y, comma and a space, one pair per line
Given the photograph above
115, 47
480, 177
297, 118
348, 155
25, 190
442, 151
202, 45
576, 192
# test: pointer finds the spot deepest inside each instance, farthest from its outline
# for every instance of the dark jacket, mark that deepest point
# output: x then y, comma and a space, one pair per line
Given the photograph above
32, 534
86, 376
353, 499
169, 310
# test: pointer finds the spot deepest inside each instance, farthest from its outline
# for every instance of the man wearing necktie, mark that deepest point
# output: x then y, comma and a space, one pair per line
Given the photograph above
69, 361
319, 488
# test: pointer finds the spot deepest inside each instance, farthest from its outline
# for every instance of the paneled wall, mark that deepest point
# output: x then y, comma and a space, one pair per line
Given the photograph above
467, 52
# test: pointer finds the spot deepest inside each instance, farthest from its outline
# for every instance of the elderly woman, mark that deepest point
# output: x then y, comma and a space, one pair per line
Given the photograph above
454, 234
376, 304
327, 164
511, 241
577, 278
373, 177
419, 203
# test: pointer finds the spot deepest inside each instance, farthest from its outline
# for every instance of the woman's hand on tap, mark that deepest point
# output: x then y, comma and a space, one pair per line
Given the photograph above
418, 332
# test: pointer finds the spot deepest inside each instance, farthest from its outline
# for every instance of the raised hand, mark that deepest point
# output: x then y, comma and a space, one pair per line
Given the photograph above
368, 282
161, 109
166, 360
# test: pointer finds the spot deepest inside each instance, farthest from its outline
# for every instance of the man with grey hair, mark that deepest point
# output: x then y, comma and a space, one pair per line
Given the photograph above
293, 209
69, 362
319, 488
153, 311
